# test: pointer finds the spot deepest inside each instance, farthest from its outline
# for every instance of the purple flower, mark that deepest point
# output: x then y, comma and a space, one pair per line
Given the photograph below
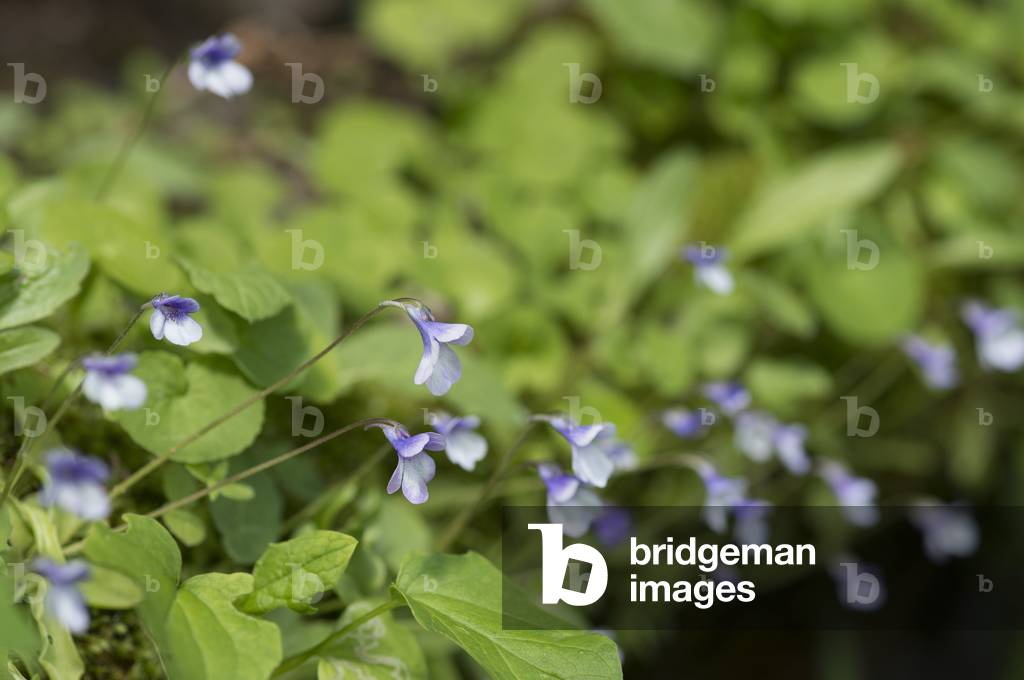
751, 521
688, 424
855, 494
415, 466
730, 396
109, 383
439, 366
171, 319
76, 484
613, 525
755, 434
789, 443
709, 269
63, 600
570, 503
596, 452
937, 362
997, 335
721, 494
464, 447
949, 531
213, 67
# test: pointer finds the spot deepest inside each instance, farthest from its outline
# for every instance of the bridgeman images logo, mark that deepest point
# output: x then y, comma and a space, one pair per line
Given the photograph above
555, 564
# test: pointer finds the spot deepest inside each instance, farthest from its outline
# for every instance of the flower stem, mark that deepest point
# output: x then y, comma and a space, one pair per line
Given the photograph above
238, 408
129, 143
245, 474
463, 518
293, 662
27, 440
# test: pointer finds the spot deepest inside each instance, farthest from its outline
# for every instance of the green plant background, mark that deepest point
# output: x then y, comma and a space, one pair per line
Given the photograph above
463, 197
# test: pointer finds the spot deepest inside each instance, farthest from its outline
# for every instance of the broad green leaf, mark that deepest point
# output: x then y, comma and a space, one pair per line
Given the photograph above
41, 290
251, 293
379, 649
110, 589
19, 635
147, 555
182, 398
209, 639
829, 184
187, 526
130, 250
247, 526
291, 574
20, 347
784, 386
649, 32
460, 598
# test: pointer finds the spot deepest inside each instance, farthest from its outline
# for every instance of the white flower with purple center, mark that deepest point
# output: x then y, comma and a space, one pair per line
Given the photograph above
439, 366
213, 67
171, 319
463, 446
937, 362
63, 600
596, 452
948, 531
109, 382
569, 501
998, 336
855, 494
789, 442
687, 424
730, 396
755, 434
721, 494
75, 483
709, 268
415, 466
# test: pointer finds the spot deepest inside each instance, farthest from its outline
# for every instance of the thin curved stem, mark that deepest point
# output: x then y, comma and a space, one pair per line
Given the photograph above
152, 465
27, 440
463, 518
129, 143
245, 474
293, 662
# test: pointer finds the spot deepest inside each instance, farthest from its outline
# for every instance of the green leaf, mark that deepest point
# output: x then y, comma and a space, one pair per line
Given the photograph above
208, 639
58, 655
20, 347
379, 649
110, 589
784, 386
247, 527
831, 183
183, 398
187, 526
19, 635
39, 292
292, 573
251, 293
460, 598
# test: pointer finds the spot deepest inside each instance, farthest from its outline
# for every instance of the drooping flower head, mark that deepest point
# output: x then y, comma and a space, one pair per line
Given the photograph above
570, 502
789, 442
213, 67
464, 447
171, 319
439, 366
855, 494
721, 494
76, 484
948, 531
709, 268
109, 382
687, 424
415, 466
997, 334
937, 362
730, 396
596, 452
63, 600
